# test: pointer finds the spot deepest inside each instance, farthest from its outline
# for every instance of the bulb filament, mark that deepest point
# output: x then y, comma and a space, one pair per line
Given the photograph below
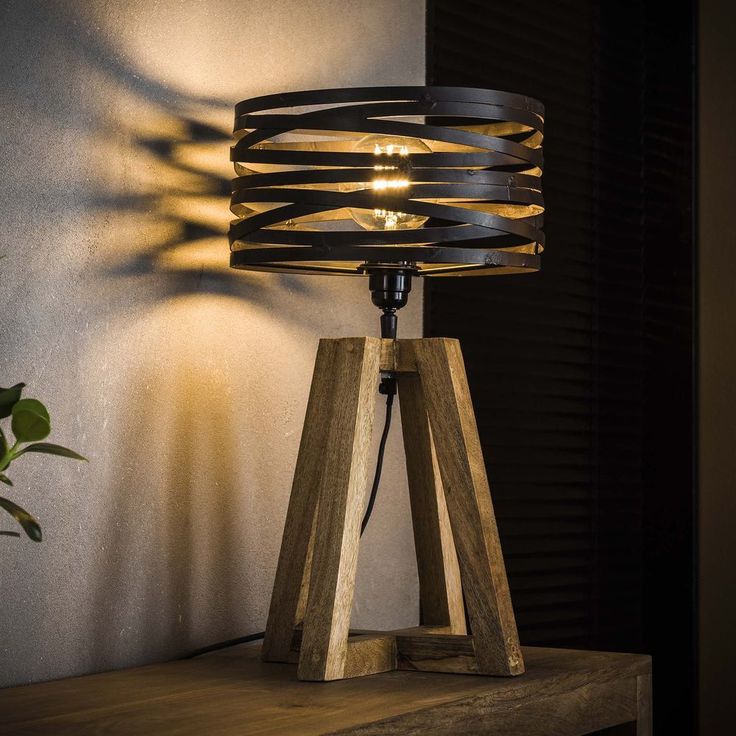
389, 218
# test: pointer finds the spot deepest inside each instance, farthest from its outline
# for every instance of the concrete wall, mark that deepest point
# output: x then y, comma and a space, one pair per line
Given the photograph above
184, 383
717, 364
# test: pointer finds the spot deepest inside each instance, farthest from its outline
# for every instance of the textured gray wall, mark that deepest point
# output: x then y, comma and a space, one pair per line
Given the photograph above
183, 382
716, 81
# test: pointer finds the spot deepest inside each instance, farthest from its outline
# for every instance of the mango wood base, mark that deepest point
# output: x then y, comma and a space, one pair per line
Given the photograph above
421, 648
459, 560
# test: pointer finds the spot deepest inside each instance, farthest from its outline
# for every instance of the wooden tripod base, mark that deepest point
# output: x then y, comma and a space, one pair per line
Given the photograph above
459, 557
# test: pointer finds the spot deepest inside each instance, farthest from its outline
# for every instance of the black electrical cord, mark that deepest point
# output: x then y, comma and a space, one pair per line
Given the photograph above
387, 387
225, 644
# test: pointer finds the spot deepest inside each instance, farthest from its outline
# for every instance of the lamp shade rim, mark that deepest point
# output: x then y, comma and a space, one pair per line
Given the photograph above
339, 95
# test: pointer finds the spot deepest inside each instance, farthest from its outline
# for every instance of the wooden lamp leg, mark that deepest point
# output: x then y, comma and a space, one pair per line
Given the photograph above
440, 590
459, 557
291, 580
460, 458
344, 456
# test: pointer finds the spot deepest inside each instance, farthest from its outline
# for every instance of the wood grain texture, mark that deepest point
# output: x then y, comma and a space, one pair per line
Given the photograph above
452, 420
440, 590
449, 498
576, 712
231, 693
301, 607
644, 724
370, 654
436, 653
397, 355
344, 459
290, 572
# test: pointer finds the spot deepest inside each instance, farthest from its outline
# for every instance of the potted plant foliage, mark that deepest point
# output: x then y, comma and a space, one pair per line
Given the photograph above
29, 422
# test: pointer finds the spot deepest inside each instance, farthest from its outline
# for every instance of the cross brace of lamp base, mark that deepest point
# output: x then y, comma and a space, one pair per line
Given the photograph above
462, 577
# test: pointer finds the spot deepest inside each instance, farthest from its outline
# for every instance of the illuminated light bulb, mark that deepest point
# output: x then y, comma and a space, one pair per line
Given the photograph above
391, 172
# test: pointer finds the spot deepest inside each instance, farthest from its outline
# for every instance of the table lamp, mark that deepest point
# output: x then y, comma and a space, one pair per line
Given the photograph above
391, 183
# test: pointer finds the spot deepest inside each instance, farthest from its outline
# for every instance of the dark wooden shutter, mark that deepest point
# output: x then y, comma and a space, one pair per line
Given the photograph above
581, 374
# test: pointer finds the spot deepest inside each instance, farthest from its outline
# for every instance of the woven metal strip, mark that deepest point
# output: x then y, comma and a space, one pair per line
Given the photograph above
445, 179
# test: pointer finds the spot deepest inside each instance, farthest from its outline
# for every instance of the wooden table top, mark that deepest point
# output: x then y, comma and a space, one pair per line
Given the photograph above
233, 692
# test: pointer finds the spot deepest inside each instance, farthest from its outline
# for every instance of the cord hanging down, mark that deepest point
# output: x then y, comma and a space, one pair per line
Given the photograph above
388, 387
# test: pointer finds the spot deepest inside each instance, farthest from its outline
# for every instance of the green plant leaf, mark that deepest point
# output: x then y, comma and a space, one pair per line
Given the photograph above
30, 421
3, 444
30, 526
4, 479
51, 449
9, 397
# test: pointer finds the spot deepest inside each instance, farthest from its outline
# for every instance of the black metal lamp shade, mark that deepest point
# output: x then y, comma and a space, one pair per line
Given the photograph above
445, 181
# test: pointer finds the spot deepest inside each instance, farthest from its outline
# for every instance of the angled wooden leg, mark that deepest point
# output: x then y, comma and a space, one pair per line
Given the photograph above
440, 591
455, 530
301, 607
343, 456
291, 580
452, 420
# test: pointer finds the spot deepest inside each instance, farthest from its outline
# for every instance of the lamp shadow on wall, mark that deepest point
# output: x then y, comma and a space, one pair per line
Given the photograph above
172, 145
191, 201
167, 588
166, 527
